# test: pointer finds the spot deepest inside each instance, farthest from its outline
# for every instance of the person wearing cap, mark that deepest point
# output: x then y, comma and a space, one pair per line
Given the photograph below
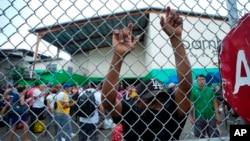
150, 118
62, 113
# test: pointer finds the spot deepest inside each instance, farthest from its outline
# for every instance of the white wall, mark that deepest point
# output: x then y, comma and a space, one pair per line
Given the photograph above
98, 63
196, 30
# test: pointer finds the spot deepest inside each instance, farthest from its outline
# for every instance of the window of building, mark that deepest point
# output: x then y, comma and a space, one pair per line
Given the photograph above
70, 70
51, 67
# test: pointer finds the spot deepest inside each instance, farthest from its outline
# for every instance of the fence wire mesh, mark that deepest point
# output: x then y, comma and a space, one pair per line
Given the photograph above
54, 43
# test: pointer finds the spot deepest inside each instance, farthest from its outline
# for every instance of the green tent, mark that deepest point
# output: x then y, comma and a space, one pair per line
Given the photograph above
54, 78
62, 76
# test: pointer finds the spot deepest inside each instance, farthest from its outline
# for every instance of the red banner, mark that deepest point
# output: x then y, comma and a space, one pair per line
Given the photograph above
235, 67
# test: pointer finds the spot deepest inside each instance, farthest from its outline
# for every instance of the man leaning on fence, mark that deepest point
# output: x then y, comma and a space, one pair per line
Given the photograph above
151, 118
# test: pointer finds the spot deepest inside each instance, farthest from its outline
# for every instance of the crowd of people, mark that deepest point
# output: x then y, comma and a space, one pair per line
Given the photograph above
46, 107
145, 111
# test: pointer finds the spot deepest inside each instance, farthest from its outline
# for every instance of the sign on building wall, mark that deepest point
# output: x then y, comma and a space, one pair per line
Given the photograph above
201, 37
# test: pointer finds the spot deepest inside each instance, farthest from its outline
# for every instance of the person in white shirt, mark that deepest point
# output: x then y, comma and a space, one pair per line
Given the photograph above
88, 126
38, 106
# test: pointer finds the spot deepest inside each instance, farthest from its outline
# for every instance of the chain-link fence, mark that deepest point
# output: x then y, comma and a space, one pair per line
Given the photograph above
57, 43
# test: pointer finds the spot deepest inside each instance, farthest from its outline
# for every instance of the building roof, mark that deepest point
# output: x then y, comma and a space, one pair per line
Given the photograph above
87, 34
21, 53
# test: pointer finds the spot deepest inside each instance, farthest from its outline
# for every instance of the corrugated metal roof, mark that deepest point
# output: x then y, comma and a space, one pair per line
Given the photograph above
87, 34
21, 53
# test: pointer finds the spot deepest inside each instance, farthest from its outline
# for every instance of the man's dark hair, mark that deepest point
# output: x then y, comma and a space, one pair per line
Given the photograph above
200, 75
36, 84
20, 89
92, 84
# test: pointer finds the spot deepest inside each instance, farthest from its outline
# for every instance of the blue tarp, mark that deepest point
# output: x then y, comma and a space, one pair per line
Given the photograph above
172, 79
213, 77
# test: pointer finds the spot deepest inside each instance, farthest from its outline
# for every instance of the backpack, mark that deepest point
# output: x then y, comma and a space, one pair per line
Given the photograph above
16, 106
86, 103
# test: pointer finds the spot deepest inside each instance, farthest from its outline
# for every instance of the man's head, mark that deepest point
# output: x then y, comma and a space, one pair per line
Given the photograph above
36, 84
42, 87
151, 91
67, 87
201, 81
58, 87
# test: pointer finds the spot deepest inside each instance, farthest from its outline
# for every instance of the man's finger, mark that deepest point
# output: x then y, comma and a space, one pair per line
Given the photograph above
136, 39
121, 36
168, 9
179, 22
130, 27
